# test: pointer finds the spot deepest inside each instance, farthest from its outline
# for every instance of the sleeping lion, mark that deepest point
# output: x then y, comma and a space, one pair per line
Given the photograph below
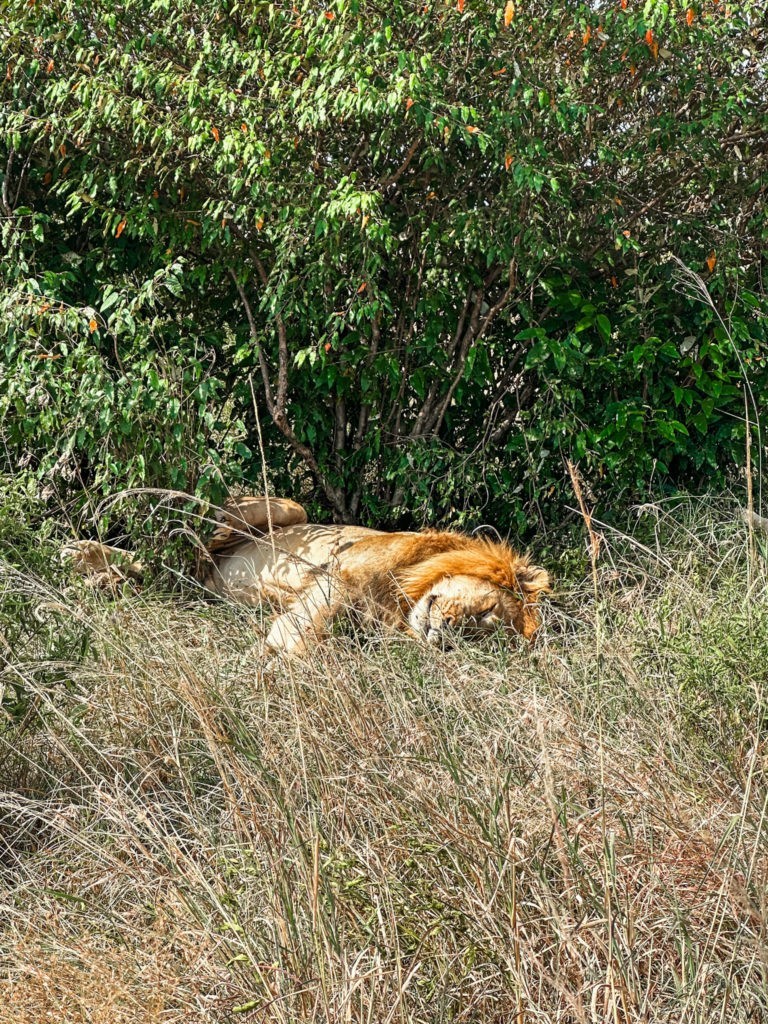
432, 585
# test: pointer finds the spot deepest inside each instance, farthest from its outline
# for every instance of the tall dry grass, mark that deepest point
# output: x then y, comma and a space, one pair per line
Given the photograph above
390, 834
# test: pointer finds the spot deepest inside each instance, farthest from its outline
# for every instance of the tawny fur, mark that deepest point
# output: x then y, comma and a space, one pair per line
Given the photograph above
424, 583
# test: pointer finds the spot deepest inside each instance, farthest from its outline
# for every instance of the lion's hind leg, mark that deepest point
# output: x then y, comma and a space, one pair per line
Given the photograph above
252, 515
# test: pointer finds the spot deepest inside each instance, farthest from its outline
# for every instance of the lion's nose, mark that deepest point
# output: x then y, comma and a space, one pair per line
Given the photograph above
449, 621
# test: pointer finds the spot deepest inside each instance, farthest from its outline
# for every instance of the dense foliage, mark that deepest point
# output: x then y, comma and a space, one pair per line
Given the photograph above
428, 244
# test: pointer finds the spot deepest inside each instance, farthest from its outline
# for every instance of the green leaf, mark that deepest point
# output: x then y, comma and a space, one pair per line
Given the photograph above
603, 326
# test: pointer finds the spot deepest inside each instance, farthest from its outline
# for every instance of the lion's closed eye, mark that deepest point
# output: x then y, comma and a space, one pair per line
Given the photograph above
484, 614
483, 618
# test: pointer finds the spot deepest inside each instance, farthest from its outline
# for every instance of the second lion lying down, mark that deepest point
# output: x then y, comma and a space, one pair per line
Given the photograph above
429, 584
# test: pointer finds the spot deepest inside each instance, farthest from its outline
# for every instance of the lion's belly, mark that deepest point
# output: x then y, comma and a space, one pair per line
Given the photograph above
273, 567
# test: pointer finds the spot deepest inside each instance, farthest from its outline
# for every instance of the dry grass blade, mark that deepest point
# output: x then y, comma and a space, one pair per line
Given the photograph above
389, 833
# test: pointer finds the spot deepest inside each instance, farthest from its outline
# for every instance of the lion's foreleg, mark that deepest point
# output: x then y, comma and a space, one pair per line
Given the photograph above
308, 617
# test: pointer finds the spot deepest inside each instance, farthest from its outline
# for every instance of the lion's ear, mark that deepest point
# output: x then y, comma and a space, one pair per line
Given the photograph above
533, 580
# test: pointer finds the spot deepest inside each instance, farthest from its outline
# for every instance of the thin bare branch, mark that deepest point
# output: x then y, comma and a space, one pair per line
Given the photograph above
255, 338
282, 345
6, 204
278, 414
473, 334
365, 408
432, 403
397, 175
340, 426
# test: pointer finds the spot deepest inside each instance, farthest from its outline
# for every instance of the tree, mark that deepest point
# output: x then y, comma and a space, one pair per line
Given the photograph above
430, 243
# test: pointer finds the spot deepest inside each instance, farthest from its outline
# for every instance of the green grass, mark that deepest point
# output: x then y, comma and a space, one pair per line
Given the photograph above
392, 834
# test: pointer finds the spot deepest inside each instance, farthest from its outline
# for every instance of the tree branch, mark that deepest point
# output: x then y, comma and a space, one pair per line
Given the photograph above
426, 413
340, 426
397, 175
282, 345
255, 338
365, 408
277, 411
473, 335
5, 197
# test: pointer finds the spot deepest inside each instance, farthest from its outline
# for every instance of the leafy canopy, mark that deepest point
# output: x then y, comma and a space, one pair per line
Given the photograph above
428, 243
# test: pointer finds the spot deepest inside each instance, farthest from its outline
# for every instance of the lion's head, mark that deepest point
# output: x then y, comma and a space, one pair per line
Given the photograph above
475, 589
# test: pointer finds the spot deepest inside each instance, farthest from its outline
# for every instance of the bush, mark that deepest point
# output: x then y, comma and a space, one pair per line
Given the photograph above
430, 242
